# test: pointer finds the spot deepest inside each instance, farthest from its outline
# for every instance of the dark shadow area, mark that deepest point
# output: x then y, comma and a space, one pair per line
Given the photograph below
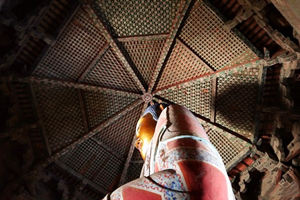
7, 39
295, 88
280, 24
14, 15
19, 9
5, 103
253, 187
236, 106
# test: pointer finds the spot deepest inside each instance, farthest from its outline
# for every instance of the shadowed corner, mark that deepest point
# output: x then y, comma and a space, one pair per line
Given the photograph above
236, 108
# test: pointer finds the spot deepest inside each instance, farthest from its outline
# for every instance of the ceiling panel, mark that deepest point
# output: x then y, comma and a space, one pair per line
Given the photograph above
88, 159
108, 71
119, 135
183, 65
76, 47
60, 113
133, 17
202, 72
101, 105
197, 97
144, 52
100, 159
203, 32
236, 101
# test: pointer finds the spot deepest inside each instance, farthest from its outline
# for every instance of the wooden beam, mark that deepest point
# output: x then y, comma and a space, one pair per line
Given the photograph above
143, 37
89, 134
94, 62
204, 120
113, 43
257, 13
184, 5
130, 153
209, 68
279, 38
213, 99
289, 10
252, 64
70, 84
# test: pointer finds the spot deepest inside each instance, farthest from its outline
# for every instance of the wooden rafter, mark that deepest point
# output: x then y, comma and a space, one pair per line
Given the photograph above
94, 62
181, 13
70, 84
254, 63
89, 134
112, 41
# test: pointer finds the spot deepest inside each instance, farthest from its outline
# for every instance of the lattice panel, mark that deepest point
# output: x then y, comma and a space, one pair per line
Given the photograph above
60, 113
201, 47
88, 159
133, 17
102, 105
182, 65
203, 32
74, 50
145, 55
111, 175
109, 72
236, 101
119, 135
196, 97
230, 147
95, 162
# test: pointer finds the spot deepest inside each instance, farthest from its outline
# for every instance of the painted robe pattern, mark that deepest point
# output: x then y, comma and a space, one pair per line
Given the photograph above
186, 166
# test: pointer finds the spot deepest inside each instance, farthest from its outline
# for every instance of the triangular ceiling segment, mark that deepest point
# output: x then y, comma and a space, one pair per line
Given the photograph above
77, 46
183, 65
108, 71
197, 97
136, 18
204, 33
102, 105
144, 53
107, 149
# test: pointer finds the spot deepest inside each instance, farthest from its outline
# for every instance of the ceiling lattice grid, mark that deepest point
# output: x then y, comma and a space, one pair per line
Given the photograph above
89, 86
